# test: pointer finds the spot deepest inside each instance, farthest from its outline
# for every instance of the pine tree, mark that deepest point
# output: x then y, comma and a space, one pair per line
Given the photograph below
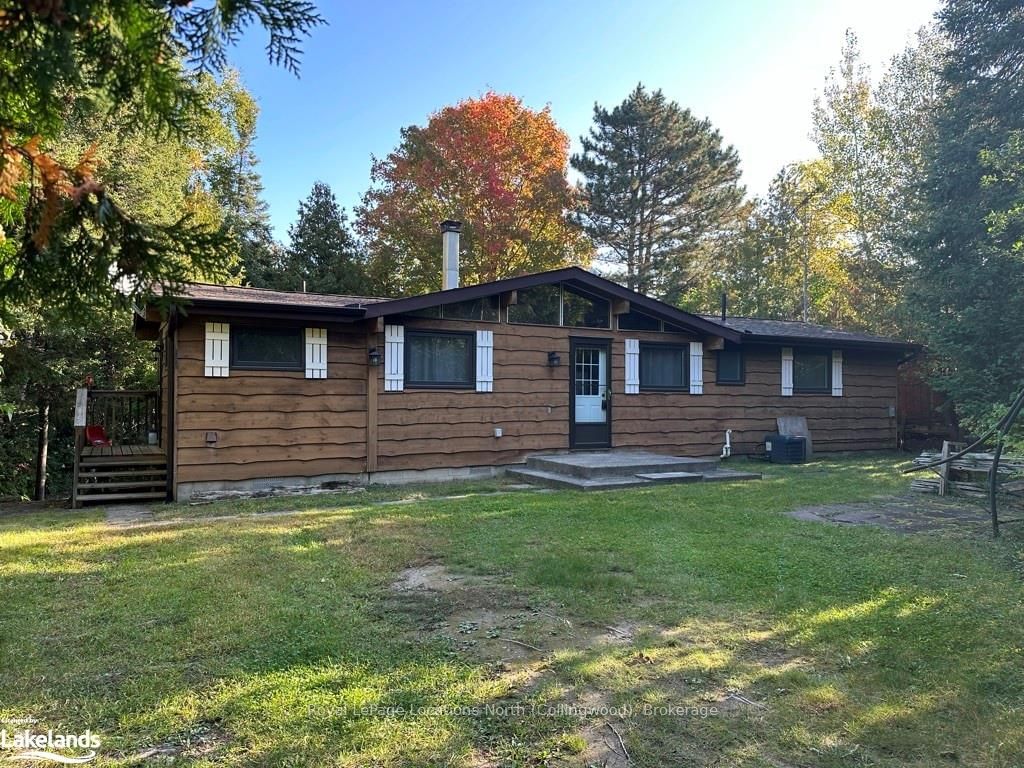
659, 187
968, 289
79, 246
323, 253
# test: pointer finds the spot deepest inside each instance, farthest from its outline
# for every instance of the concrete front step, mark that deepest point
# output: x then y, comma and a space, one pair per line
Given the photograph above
558, 480
671, 477
617, 464
613, 482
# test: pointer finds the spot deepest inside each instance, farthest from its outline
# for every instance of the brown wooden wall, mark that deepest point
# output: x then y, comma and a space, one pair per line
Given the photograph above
270, 423
422, 429
280, 424
695, 424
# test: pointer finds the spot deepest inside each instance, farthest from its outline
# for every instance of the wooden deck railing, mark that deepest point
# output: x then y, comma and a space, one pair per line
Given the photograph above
129, 416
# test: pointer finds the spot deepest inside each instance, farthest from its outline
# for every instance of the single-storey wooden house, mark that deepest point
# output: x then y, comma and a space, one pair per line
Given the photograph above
263, 387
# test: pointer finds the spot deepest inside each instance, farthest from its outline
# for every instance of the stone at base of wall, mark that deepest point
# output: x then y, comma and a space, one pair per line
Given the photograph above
395, 477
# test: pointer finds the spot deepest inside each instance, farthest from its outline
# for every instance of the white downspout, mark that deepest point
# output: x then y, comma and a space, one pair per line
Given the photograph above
727, 448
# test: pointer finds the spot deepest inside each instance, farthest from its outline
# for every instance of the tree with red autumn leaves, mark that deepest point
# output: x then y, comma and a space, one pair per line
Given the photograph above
493, 164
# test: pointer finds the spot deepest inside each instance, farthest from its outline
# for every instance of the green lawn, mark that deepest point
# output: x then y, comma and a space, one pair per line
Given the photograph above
270, 641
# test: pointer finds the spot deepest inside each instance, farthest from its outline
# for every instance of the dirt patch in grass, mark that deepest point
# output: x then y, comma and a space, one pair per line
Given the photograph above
478, 613
480, 618
909, 513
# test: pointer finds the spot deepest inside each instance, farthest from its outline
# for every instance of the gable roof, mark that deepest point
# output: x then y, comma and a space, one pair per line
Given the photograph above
796, 331
573, 275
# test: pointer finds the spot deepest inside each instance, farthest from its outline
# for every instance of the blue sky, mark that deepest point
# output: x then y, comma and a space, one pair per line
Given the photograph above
751, 66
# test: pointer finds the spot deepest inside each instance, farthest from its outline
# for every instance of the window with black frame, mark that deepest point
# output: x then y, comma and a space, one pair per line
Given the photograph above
729, 367
275, 349
538, 305
664, 367
812, 371
440, 359
582, 310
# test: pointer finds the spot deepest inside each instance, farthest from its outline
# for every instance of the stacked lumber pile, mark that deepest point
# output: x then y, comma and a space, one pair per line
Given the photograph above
968, 474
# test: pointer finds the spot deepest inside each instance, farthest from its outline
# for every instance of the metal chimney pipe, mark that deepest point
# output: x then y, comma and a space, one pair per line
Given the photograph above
450, 235
725, 304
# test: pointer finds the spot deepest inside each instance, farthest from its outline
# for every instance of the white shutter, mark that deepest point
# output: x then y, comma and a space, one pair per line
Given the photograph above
218, 345
837, 373
696, 368
485, 361
394, 358
632, 366
787, 371
316, 353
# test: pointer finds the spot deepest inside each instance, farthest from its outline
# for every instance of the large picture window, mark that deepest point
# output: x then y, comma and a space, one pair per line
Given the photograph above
275, 349
812, 370
439, 359
664, 367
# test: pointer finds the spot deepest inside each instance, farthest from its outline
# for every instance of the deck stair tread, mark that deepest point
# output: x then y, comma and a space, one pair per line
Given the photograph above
124, 496
89, 473
122, 461
158, 483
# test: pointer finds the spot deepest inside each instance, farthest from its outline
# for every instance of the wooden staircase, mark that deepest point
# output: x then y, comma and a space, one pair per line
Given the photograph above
120, 473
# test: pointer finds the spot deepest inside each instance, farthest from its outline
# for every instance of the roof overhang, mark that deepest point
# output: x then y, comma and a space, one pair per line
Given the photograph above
265, 310
573, 275
896, 347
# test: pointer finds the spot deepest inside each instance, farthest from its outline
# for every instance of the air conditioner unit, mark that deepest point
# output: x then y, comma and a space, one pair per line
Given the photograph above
785, 449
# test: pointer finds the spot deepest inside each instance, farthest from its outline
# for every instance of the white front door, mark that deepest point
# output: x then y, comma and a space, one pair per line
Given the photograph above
591, 379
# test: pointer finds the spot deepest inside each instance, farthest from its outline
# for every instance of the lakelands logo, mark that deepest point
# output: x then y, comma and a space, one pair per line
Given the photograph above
46, 747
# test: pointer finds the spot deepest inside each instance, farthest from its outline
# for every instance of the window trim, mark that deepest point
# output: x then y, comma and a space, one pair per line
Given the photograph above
743, 368
411, 383
827, 389
684, 351
235, 364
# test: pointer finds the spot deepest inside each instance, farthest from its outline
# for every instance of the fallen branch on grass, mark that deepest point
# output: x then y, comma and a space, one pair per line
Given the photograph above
622, 744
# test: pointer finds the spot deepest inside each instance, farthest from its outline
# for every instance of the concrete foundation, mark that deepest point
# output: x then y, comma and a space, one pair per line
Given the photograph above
398, 477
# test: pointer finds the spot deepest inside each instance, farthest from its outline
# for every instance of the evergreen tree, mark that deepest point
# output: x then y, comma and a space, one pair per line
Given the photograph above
78, 246
46, 352
968, 289
659, 188
323, 252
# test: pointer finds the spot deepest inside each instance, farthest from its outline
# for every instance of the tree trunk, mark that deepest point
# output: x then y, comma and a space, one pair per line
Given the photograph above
43, 446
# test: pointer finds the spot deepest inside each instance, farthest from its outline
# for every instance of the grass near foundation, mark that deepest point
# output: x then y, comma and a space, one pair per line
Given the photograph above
703, 624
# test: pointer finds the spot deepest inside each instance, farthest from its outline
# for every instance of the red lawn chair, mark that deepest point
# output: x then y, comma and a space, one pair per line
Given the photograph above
96, 435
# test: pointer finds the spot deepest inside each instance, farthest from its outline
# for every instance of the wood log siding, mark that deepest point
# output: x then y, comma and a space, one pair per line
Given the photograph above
422, 429
271, 423
280, 424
